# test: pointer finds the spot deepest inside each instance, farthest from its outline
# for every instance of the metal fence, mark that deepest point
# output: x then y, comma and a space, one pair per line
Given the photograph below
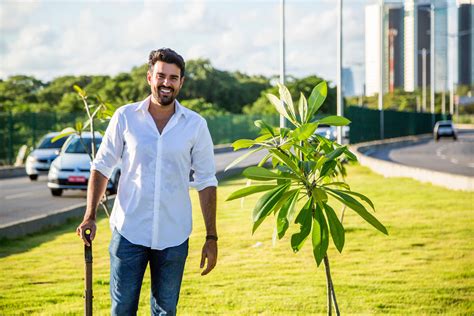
27, 128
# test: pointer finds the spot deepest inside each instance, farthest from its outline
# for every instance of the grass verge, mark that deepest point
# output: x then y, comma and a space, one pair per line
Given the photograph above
425, 265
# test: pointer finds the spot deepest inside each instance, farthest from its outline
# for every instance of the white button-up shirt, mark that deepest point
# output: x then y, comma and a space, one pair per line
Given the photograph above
153, 207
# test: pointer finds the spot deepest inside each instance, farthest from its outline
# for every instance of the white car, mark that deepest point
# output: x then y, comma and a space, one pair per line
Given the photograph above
71, 169
444, 129
330, 132
39, 160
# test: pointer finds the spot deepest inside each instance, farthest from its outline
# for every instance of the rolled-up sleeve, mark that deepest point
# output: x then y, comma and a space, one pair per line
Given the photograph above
202, 156
110, 150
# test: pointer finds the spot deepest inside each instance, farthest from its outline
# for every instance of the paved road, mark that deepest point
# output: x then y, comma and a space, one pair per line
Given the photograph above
446, 155
21, 198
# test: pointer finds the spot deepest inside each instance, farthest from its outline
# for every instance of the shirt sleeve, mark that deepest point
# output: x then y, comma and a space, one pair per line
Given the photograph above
202, 160
111, 148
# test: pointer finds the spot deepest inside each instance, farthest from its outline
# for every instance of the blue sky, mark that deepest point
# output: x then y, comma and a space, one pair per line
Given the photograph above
56, 37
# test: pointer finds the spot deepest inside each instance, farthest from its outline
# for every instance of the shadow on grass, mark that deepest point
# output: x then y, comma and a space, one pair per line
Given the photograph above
10, 247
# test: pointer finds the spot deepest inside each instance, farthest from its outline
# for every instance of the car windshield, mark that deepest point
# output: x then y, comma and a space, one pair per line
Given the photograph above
445, 125
46, 143
78, 147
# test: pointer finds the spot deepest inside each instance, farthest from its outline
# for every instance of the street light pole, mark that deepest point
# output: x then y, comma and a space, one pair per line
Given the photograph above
340, 105
432, 66
381, 70
282, 53
423, 79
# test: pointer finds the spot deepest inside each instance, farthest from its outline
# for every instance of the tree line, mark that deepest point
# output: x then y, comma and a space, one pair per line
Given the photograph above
207, 90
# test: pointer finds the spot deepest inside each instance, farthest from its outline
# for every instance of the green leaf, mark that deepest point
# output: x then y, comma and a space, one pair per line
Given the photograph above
316, 99
286, 160
79, 126
361, 196
350, 155
303, 107
241, 158
320, 235
249, 190
278, 104
358, 208
334, 120
339, 184
264, 127
264, 159
286, 213
336, 228
81, 92
285, 95
64, 133
263, 137
243, 143
328, 166
336, 152
266, 204
305, 131
304, 219
261, 174
319, 195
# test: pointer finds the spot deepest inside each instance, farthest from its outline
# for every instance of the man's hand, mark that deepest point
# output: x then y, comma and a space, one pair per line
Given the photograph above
86, 224
209, 252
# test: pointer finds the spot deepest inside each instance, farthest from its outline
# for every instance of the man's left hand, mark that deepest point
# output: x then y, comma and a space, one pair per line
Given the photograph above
209, 252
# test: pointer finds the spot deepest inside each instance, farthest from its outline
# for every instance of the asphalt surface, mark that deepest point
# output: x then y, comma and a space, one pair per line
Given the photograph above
21, 198
446, 155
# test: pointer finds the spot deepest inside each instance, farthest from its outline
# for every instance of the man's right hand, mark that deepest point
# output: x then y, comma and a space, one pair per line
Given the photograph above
86, 224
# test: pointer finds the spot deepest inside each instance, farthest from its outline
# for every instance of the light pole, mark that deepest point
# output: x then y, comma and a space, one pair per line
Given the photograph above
282, 53
340, 106
423, 79
381, 70
432, 66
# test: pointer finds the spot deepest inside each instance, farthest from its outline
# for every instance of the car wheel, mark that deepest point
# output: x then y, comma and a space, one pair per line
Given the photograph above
33, 177
455, 137
56, 192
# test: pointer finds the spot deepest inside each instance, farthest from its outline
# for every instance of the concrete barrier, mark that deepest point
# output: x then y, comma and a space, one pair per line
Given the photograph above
391, 169
12, 172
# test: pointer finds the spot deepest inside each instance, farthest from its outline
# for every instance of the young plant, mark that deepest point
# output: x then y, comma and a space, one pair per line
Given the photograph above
102, 111
308, 169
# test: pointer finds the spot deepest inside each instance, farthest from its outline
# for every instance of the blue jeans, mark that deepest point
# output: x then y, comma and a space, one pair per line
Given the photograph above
127, 266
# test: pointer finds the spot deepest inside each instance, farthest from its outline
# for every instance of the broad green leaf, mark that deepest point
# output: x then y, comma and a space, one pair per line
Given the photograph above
316, 99
265, 128
336, 152
328, 166
286, 212
261, 174
64, 133
266, 203
285, 95
339, 184
305, 131
249, 190
264, 159
319, 195
304, 218
359, 209
263, 137
350, 155
243, 143
81, 92
241, 158
336, 228
286, 160
79, 126
303, 107
360, 196
334, 120
278, 104
320, 235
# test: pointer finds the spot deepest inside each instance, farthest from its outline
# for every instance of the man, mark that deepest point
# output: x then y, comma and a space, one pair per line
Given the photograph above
158, 142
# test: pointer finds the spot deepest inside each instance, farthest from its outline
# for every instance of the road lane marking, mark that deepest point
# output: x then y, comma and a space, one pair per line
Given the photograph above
454, 160
18, 195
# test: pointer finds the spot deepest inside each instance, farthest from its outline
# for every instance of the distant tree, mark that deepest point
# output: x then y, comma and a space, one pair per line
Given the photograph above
18, 91
203, 108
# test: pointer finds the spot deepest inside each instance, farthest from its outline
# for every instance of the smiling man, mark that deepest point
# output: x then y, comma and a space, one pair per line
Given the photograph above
158, 142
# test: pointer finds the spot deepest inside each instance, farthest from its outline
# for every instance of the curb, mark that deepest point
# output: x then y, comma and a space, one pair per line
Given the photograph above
391, 169
12, 172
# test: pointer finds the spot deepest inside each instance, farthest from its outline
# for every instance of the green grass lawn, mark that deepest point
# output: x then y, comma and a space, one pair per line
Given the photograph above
425, 266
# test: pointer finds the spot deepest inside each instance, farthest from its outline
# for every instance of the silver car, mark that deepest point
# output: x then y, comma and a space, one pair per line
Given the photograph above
71, 170
39, 160
444, 129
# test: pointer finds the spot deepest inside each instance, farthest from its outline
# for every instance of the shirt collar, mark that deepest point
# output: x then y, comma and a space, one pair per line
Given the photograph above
145, 104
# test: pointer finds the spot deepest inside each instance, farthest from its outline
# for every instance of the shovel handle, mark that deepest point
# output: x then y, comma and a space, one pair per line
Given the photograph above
88, 249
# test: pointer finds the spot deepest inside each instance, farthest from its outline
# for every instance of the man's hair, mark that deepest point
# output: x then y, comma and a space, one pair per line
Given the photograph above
166, 55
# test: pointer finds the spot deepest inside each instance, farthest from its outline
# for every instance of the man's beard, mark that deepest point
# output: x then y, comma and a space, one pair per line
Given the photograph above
164, 100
